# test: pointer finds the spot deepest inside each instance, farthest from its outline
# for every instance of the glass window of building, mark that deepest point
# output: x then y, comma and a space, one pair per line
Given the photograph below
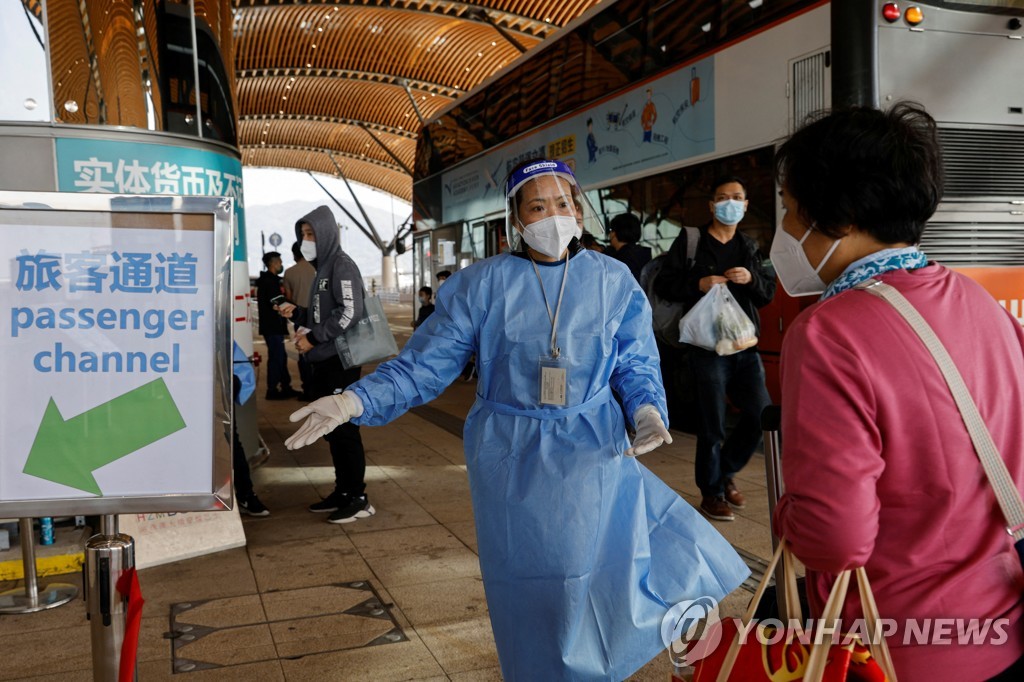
24, 92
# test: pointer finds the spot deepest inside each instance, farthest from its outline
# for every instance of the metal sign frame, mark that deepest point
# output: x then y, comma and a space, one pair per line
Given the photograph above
219, 497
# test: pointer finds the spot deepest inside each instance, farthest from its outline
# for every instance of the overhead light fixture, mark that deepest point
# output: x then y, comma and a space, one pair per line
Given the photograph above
706, 27
754, 4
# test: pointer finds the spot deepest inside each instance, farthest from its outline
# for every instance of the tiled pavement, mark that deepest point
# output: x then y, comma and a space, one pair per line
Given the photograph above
307, 600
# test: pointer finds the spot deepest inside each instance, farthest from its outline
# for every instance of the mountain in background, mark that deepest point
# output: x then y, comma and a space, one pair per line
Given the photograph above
280, 218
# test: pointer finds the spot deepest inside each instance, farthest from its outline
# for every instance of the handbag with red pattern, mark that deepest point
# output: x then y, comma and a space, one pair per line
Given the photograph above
759, 652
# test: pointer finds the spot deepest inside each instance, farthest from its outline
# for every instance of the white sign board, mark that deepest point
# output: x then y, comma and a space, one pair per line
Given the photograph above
446, 252
109, 337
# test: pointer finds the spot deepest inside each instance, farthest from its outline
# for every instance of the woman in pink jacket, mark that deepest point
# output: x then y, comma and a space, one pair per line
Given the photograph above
879, 467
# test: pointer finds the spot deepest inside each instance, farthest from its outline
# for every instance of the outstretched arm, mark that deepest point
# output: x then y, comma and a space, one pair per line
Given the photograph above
430, 361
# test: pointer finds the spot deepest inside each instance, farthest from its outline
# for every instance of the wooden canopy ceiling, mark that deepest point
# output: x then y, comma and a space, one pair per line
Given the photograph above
330, 85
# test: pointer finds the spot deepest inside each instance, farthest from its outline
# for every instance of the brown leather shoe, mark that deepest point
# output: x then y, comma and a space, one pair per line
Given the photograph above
716, 508
734, 497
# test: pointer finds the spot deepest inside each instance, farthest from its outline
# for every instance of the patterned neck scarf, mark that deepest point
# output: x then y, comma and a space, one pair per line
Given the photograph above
872, 265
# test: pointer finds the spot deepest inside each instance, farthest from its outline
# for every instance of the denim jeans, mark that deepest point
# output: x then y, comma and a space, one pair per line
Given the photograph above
740, 378
277, 364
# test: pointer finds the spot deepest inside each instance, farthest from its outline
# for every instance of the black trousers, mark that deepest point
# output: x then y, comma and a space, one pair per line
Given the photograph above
243, 477
328, 378
239, 463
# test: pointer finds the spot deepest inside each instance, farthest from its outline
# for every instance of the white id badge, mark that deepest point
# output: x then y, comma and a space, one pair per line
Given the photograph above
553, 380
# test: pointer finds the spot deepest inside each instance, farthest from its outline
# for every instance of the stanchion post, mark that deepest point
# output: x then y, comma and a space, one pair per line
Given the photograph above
29, 599
28, 562
108, 556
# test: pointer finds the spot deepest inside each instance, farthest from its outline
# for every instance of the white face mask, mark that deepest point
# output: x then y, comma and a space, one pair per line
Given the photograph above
308, 249
551, 235
798, 276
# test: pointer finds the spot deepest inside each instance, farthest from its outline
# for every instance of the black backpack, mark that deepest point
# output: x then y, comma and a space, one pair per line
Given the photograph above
666, 314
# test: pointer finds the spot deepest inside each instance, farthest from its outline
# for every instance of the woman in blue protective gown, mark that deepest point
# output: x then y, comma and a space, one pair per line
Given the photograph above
582, 549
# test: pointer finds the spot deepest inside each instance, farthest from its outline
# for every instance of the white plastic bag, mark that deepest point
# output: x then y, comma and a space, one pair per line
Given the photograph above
718, 323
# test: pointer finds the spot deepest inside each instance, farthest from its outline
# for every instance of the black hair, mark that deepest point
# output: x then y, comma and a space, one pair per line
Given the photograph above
444, 274
297, 251
725, 180
427, 290
626, 227
878, 170
269, 256
588, 240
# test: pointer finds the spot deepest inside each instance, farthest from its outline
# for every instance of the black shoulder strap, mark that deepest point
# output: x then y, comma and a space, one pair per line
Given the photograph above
692, 240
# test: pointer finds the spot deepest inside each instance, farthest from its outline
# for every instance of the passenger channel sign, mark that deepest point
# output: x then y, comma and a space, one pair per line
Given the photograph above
112, 341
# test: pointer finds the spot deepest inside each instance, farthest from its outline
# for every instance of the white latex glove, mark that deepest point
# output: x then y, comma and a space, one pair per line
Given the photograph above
650, 431
322, 417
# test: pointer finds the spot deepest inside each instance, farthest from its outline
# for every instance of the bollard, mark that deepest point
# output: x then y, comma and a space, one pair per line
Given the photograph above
107, 557
30, 598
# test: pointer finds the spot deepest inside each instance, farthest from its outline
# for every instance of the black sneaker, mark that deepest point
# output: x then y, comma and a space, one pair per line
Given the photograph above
276, 395
289, 392
329, 503
253, 507
355, 508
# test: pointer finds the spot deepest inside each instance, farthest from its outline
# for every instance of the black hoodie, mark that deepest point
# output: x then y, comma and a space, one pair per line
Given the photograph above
336, 297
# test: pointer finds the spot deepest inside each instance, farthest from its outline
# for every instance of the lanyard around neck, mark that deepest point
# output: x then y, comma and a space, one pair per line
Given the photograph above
555, 351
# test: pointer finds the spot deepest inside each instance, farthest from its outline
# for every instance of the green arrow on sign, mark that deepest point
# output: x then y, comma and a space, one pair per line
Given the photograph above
68, 451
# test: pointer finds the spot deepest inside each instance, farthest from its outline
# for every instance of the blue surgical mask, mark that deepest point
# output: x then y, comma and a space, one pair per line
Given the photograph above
730, 211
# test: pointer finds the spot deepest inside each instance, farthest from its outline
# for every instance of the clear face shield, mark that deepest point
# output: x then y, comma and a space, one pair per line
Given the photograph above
545, 207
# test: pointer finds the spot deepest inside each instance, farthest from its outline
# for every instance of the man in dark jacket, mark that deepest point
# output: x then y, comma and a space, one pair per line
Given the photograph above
335, 304
273, 328
724, 255
426, 294
624, 231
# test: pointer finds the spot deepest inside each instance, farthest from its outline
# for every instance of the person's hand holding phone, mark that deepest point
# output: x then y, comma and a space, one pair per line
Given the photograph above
282, 306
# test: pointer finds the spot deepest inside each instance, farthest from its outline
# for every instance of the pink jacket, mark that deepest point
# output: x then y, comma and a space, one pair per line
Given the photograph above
880, 471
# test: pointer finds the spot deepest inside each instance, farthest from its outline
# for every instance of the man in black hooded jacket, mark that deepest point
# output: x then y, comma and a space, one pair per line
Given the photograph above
335, 304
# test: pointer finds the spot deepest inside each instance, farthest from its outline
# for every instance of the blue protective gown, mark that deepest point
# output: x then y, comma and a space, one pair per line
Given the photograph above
582, 549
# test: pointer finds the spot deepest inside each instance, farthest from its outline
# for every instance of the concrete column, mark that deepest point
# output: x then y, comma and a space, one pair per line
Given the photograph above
389, 280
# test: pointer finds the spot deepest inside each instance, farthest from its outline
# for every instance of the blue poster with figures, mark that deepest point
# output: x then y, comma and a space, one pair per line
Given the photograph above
653, 125
108, 166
